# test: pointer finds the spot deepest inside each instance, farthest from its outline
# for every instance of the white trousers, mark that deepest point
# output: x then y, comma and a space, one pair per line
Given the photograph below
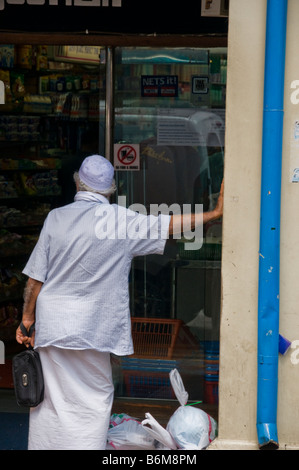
76, 409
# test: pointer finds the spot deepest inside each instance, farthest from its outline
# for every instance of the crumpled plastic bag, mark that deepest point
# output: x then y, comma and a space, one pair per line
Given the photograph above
127, 433
191, 428
162, 437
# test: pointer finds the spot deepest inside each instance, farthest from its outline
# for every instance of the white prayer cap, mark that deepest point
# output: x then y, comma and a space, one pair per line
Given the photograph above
96, 172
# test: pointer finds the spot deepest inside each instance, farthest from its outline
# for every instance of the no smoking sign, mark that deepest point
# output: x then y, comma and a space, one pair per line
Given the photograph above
126, 157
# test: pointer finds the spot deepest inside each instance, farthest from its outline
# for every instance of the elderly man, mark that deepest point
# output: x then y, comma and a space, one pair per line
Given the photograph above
77, 295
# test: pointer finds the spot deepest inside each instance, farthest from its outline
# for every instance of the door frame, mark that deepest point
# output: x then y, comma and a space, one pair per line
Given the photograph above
125, 40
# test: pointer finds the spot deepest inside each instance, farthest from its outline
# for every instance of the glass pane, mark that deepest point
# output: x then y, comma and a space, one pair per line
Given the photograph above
172, 103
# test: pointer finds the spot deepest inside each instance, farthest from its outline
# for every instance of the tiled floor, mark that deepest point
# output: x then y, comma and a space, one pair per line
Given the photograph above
14, 419
8, 402
13, 422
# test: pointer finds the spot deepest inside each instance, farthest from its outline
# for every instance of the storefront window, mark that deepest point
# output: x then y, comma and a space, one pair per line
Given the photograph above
170, 104
170, 109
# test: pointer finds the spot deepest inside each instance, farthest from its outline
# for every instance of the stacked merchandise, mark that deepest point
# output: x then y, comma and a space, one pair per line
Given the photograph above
41, 184
73, 96
211, 372
19, 128
30, 164
146, 378
12, 217
14, 244
29, 184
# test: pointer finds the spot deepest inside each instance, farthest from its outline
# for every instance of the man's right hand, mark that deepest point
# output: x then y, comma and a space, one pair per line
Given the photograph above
21, 338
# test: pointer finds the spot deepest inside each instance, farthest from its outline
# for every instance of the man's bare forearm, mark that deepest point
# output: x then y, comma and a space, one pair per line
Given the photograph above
31, 292
176, 225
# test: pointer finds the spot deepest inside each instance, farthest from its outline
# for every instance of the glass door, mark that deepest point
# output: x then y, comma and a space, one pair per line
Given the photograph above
169, 111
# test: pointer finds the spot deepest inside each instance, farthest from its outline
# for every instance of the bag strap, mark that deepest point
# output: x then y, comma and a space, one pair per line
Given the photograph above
25, 331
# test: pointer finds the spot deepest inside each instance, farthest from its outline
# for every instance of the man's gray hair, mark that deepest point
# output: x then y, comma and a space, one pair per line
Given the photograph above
83, 187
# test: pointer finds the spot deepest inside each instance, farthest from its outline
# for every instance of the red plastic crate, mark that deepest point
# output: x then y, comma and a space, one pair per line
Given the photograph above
154, 337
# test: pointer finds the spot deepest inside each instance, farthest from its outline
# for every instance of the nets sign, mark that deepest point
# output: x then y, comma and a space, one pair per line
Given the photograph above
159, 85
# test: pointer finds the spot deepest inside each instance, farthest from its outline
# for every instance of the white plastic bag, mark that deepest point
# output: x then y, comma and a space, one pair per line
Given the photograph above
158, 433
178, 386
191, 428
127, 433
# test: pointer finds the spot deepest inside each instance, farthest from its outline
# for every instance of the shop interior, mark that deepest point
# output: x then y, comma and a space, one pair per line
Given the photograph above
170, 104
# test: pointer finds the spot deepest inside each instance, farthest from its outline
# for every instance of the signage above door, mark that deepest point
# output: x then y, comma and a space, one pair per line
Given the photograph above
109, 16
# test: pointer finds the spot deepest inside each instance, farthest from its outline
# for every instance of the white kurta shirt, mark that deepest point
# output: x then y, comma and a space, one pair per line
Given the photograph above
83, 257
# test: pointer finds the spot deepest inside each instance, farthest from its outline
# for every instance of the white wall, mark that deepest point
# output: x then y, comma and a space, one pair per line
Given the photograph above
238, 342
288, 403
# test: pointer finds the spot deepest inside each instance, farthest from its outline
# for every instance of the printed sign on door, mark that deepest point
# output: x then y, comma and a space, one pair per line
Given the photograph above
126, 157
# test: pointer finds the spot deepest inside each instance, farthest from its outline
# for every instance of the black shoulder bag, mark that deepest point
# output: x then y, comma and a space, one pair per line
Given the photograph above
28, 375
